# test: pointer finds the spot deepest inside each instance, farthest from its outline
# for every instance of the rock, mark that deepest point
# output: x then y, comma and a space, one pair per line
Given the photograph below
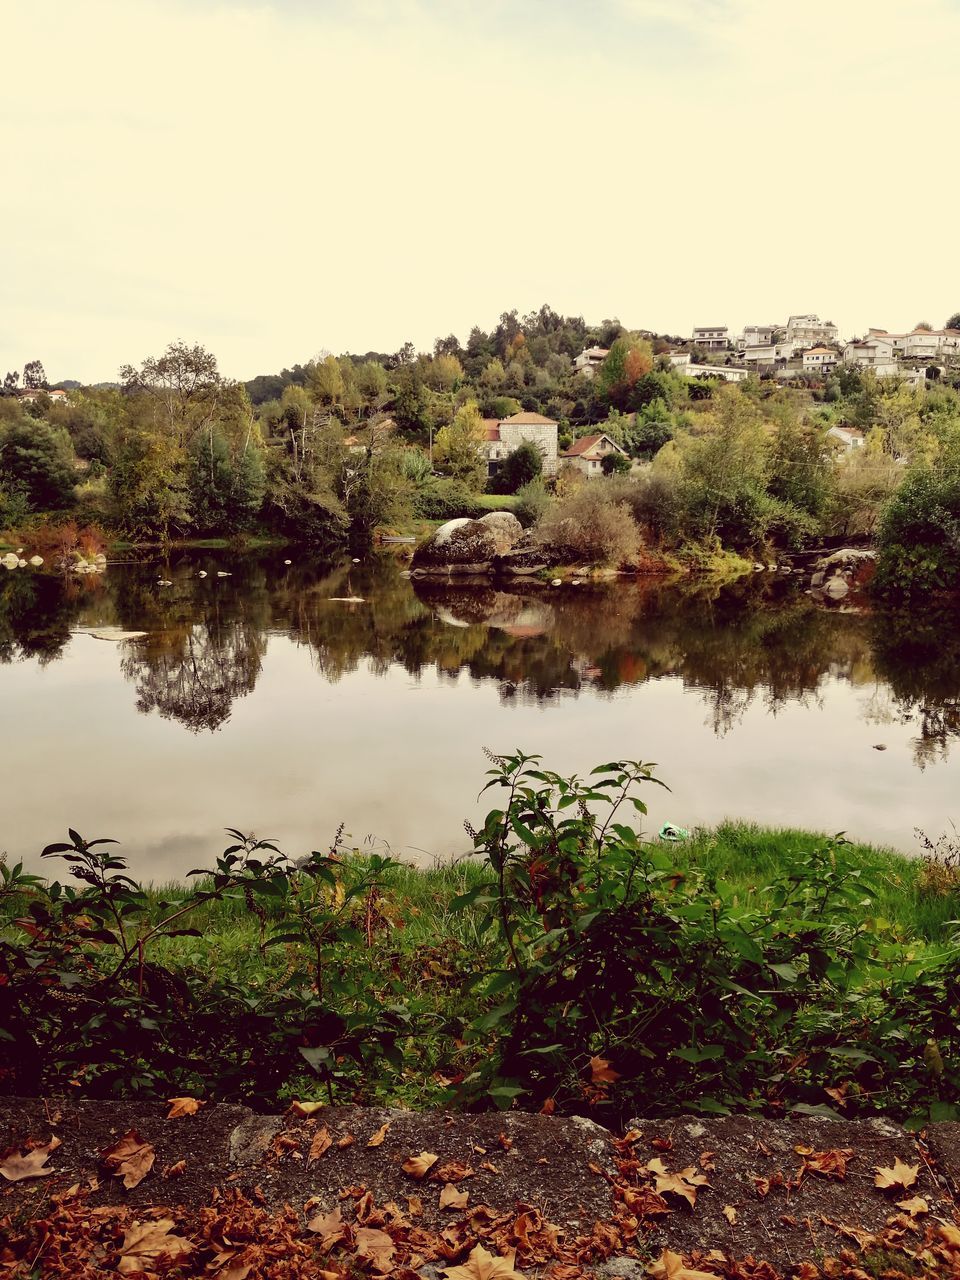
879, 746
816, 579
164, 582
556, 582
622, 1269
836, 588
36, 561
758, 568
459, 546
100, 558
223, 573
202, 573
21, 564
506, 528
288, 562
10, 561
356, 559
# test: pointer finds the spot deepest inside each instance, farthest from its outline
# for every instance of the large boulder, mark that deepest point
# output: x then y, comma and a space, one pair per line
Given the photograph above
459, 546
506, 528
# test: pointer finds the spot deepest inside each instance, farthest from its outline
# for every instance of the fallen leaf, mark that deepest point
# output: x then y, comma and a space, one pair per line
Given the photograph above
481, 1265
183, 1107
684, 1184
175, 1170
322, 1141
130, 1158
378, 1137
16, 1167
915, 1206
147, 1242
419, 1166
375, 1245
451, 1198
329, 1226
730, 1213
304, 1109
346, 1141
901, 1175
670, 1266
452, 1171
601, 1072
828, 1164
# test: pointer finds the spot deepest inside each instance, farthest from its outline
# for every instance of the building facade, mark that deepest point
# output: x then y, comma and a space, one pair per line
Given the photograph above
504, 435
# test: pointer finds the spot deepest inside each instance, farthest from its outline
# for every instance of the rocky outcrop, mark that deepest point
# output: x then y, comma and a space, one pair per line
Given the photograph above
467, 546
844, 575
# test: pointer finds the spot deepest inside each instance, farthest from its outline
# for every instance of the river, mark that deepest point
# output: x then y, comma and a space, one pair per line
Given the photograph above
286, 699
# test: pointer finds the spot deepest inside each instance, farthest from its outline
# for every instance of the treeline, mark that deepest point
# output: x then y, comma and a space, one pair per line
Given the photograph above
345, 444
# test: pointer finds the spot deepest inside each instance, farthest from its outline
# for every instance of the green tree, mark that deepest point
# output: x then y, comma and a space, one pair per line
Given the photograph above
518, 469
615, 464
36, 462
457, 449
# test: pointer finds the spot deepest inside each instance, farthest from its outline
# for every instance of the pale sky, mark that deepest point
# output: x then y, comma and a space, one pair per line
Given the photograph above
277, 177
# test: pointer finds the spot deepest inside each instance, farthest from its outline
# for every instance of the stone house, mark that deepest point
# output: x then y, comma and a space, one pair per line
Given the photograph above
503, 435
587, 453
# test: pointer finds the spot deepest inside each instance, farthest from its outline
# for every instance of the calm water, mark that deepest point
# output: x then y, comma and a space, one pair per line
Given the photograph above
267, 700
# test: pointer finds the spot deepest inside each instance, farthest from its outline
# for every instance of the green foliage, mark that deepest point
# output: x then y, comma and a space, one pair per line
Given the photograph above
919, 535
532, 502
36, 466
226, 487
456, 451
517, 469
615, 464
627, 983
447, 499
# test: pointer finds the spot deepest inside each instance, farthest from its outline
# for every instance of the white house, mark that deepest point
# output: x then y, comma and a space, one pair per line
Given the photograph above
711, 337
590, 359
768, 356
758, 335
810, 331
729, 373
849, 437
503, 435
587, 453
57, 395
819, 360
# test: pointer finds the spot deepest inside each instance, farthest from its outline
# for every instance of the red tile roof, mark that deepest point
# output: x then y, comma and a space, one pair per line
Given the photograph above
583, 447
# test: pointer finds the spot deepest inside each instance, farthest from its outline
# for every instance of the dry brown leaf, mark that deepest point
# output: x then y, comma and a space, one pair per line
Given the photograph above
146, 1242
346, 1141
670, 1266
481, 1265
601, 1072
451, 1198
183, 1107
130, 1158
304, 1109
452, 1171
329, 1226
684, 1184
378, 1137
376, 1246
900, 1175
17, 1167
175, 1170
828, 1164
419, 1166
322, 1141
730, 1213
915, 1206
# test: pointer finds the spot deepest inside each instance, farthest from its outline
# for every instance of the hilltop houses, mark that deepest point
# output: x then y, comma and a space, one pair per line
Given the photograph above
711, 337
590, 359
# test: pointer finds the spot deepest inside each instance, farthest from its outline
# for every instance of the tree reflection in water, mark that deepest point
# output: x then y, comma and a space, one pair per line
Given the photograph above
756, 641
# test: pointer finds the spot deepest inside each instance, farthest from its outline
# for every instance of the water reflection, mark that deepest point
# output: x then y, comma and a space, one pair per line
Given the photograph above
757, 642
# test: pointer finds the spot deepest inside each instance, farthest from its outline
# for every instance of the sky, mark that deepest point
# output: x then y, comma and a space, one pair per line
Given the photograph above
276, 178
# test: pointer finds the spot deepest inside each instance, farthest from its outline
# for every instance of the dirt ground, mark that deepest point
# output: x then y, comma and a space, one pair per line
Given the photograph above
788, 1193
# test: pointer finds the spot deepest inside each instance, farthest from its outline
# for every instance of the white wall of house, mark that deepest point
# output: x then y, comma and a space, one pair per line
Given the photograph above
544, 436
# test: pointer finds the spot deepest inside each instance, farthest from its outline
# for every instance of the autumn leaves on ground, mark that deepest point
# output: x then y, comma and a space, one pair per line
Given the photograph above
491, 1202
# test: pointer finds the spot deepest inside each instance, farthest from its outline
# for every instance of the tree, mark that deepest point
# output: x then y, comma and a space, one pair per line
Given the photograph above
226, 485
34, 378
36, 460
10, 383
954, 321
183, 385
614, 464
457, 450
326, 381
518, 468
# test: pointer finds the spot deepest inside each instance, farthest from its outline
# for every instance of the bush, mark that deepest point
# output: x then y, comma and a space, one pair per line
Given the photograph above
517, 469
632, 984
919, 537
588, 524
531, 503
445, 499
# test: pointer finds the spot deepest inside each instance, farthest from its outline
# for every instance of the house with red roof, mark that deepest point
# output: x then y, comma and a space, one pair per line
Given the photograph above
587, 453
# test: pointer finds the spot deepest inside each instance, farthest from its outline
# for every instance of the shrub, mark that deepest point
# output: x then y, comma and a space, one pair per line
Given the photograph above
589, 524
919, 537
446, 499
517, 469
531, 503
